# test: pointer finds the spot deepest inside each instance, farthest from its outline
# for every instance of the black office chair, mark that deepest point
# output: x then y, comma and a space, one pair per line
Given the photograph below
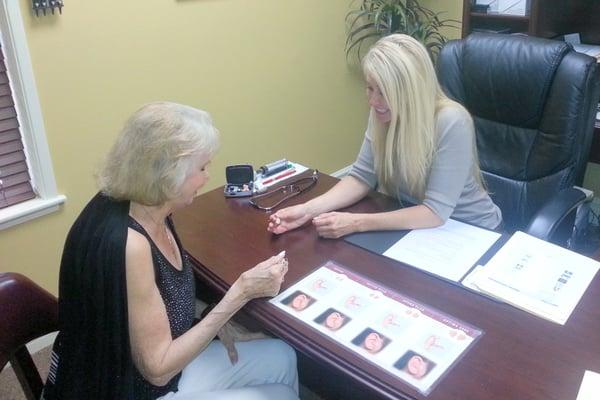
534, 103
26, 312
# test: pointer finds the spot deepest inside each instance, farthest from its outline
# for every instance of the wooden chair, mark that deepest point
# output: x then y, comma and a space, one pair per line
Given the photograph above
26, 312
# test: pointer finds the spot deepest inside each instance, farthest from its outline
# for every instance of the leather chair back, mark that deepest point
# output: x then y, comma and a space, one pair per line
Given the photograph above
533, 102
26, 312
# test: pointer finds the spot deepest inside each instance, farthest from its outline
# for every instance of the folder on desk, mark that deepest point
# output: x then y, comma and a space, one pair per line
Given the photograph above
376, 241
537, 276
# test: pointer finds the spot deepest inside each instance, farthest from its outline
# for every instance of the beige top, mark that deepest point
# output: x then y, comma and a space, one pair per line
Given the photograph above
452, 190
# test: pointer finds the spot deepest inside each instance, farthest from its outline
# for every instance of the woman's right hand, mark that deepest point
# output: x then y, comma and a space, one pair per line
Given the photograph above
263, 280
289, 218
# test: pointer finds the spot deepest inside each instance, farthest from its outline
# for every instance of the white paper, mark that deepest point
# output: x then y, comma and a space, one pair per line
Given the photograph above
448, 251
512, 7
590, 386
589, 49
469, 280
409, 340
572, 38
538, 277
260, 185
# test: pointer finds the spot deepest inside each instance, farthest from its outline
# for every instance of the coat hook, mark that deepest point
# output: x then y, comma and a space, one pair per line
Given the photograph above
47, 6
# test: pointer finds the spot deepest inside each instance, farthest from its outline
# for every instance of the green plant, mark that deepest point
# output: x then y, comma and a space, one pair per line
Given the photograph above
372, 19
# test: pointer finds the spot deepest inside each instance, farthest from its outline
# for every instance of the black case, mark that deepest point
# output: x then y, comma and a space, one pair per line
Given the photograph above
240, 180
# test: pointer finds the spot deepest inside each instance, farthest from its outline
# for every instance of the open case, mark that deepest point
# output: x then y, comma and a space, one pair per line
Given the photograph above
240, 180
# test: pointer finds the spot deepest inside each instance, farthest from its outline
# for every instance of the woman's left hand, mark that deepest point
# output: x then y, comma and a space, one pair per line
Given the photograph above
335, 224
233, 332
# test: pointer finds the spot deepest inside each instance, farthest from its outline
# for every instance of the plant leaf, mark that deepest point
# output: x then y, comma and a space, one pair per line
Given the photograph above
377, 18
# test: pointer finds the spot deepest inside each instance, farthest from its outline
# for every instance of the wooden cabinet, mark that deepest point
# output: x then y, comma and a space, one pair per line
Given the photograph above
546, 18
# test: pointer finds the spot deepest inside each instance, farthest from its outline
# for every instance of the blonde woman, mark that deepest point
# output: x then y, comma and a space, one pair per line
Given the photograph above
127, 289
419, 147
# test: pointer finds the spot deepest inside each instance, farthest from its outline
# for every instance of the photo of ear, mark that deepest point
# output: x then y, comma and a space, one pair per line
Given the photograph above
414, 364
298, 300
371, 340
332, 319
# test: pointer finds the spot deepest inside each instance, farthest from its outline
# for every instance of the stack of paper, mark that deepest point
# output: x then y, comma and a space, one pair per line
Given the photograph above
536, 276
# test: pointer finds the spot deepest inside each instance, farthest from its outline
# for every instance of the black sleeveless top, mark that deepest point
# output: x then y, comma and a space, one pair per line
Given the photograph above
177, 289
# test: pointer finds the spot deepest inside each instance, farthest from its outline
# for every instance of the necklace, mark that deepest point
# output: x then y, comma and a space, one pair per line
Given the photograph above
172, 247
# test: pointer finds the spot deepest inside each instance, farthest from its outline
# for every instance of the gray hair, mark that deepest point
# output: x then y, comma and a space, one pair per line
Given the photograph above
157, 149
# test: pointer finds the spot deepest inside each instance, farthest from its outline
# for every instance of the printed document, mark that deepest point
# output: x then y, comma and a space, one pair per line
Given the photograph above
448, 251
471, 278
537, 276
410, 340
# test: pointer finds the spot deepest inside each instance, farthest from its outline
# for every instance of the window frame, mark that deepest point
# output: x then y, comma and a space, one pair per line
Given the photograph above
33, 133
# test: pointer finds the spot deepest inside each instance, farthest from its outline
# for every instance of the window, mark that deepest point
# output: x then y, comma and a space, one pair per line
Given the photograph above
28, 188
15, 182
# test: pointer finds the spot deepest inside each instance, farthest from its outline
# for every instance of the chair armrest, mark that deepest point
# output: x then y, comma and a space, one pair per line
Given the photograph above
551, 216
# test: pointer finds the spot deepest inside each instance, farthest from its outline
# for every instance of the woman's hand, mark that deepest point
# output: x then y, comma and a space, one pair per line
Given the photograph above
289, 218
264, 280
233, 332
333, 225
346, 192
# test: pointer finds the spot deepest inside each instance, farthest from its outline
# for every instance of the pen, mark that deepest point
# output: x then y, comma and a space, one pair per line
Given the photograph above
278, 177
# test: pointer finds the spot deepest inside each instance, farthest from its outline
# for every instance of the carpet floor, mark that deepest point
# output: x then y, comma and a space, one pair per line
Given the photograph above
10, 389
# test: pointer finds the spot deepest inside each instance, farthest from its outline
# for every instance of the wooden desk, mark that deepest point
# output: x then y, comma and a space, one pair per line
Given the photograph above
519, 356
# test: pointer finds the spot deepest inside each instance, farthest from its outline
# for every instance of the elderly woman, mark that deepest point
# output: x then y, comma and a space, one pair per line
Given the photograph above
419, 147
127, 294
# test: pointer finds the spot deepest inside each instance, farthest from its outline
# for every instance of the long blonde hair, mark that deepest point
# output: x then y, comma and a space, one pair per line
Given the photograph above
404, 73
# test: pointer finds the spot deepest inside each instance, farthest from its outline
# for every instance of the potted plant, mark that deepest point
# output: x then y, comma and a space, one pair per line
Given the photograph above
369, 20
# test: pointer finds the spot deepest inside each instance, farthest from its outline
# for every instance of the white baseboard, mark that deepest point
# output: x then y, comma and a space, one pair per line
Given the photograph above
342, 172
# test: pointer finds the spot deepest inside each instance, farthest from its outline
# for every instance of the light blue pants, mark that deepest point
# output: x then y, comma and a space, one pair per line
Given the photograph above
266, 370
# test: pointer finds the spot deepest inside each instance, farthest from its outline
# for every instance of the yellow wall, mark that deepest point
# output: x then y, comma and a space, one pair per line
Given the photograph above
272, 73
448, 9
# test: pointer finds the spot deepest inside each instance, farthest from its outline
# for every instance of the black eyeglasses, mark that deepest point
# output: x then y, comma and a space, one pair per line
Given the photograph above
284, 193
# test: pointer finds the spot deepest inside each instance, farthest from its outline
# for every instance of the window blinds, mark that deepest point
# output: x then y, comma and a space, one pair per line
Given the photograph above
15, 182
